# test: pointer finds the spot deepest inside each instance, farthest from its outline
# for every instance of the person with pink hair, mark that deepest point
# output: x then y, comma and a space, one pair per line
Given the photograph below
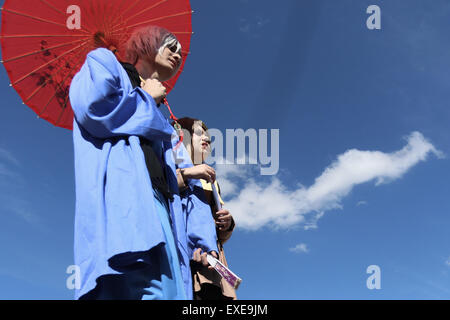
132, 239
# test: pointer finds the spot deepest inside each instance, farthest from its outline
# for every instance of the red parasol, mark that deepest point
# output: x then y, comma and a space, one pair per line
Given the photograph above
45, 42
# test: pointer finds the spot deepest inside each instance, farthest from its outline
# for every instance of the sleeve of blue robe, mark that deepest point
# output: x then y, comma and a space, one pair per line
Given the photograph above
201, 228
200, 222
109, 107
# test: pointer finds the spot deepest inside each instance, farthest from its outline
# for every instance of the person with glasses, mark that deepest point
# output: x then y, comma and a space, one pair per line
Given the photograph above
131, 238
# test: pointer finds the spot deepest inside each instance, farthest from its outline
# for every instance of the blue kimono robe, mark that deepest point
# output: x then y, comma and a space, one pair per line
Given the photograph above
115, 213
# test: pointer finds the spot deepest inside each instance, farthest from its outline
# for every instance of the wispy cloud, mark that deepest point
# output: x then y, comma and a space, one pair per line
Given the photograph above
252, 26
255, 204
12, 186
8, 156
447, 262
300, 248
8, 164
21, 208
425, 284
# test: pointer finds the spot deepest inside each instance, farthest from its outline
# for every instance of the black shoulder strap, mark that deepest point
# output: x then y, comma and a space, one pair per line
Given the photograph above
133, 74
154, 166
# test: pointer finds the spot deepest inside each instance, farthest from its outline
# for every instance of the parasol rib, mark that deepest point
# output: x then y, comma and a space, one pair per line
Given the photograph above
48, 79
46, 64
53, 7
59, 11
53, 96
41, 35
130, 7
161, 18
174, 33
64, 108
36, 18
42, 50
118, 16
143, 11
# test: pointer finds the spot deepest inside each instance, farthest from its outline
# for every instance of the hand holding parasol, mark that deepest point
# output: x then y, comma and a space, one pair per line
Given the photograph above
45, 42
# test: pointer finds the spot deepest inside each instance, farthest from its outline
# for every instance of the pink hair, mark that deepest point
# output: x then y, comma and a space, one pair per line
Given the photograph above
144, 43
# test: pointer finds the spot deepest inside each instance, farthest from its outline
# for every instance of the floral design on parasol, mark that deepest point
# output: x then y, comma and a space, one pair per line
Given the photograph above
45, 42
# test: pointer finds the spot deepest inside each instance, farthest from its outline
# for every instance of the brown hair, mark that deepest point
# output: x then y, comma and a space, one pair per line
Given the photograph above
187, 124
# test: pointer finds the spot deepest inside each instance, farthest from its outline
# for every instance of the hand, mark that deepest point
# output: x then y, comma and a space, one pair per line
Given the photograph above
200, 257
223, 219
201, 171
154, 88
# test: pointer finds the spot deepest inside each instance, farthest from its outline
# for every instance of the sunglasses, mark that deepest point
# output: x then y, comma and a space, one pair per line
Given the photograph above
173, 45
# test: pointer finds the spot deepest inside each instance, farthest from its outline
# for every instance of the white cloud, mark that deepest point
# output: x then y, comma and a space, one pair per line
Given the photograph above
361, 203
228, 174
255, 204
447, 262
300, 248
312, 222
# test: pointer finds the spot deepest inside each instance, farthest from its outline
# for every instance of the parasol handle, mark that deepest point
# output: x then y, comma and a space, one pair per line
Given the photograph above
100, 42
177, 125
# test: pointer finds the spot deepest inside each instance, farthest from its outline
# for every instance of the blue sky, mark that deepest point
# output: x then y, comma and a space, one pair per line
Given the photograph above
364, 151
